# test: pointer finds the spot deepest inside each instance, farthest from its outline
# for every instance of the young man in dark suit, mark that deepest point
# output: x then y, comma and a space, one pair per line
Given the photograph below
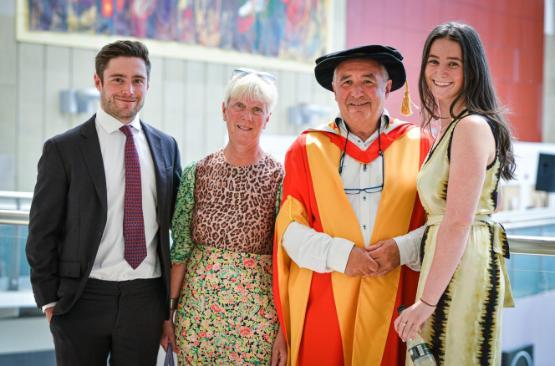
98, 242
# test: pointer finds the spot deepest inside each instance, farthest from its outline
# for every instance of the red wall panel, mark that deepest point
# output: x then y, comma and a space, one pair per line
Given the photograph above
512, 32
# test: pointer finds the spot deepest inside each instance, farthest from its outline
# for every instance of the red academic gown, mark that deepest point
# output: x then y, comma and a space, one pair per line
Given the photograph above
331, 318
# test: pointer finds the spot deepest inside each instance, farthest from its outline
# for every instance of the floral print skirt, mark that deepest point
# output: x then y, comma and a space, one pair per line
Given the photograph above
226, 314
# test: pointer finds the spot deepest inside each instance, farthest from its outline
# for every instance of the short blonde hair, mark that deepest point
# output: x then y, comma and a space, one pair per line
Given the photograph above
252, 85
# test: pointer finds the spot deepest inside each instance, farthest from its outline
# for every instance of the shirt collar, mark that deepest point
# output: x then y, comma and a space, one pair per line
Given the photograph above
384, 124
111, 124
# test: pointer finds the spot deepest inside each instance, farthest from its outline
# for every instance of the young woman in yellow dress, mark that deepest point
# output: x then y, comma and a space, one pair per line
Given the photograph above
463, 282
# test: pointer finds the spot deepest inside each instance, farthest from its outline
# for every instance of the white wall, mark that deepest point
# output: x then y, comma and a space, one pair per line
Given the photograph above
184, 99
519, 201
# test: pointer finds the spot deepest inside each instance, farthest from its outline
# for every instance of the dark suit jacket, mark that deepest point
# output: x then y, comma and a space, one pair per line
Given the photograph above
69, 208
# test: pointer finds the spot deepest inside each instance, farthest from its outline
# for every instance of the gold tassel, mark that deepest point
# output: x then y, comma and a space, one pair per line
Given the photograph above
406, 106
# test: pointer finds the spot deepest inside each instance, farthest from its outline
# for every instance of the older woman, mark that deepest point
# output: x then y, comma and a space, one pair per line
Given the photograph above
463, 282
221, 279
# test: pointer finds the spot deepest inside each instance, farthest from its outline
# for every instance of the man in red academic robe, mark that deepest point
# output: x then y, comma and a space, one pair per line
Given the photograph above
348, 187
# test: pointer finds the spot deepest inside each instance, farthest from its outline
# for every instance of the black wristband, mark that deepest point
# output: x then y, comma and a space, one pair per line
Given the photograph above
427, 303
173, 303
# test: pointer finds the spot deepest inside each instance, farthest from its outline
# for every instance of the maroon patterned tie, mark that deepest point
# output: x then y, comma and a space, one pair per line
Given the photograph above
133, 223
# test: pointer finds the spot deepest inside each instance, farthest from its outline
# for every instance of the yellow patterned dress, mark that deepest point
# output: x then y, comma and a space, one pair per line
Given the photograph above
465, 328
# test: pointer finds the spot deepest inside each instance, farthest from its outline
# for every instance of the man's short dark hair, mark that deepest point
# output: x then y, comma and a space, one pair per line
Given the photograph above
121, 49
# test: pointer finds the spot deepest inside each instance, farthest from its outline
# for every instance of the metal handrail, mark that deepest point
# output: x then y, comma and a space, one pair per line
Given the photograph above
519, 244
526, 244
15, 200
16, 194
13, 217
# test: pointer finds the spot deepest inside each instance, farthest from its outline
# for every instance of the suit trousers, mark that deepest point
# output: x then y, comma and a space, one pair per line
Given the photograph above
115, 322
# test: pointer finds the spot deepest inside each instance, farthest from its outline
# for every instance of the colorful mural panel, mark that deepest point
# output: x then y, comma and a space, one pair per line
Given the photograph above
288, 29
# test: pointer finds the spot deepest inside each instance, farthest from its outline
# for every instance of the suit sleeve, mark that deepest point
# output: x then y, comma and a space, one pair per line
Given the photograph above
46, 222
176, 172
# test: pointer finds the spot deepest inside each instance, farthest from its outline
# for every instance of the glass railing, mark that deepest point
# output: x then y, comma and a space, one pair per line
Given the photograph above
15, 287
527, 327
16, 201
16, 297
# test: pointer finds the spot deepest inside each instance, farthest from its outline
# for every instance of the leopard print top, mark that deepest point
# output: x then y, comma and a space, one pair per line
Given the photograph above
235, 206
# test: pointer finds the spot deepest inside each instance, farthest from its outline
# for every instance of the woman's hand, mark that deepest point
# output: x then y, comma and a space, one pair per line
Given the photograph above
168, 335
279, 350
410, 322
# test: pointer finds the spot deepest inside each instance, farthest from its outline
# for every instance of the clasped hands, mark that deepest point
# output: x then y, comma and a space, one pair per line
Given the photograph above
376, 260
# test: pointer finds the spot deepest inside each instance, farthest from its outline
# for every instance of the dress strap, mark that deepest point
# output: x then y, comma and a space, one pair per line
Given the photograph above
435, 146
454, 123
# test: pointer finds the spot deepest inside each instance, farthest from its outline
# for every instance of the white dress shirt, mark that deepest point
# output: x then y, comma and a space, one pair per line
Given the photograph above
322, 253
109, 264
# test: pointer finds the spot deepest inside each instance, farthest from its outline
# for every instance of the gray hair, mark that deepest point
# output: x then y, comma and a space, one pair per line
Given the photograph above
254, 86
385, 74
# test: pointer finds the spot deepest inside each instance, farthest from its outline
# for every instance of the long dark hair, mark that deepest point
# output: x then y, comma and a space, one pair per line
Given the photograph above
477, 94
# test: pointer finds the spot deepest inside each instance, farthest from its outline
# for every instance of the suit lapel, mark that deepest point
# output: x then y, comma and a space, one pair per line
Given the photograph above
157, 153
93, 158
